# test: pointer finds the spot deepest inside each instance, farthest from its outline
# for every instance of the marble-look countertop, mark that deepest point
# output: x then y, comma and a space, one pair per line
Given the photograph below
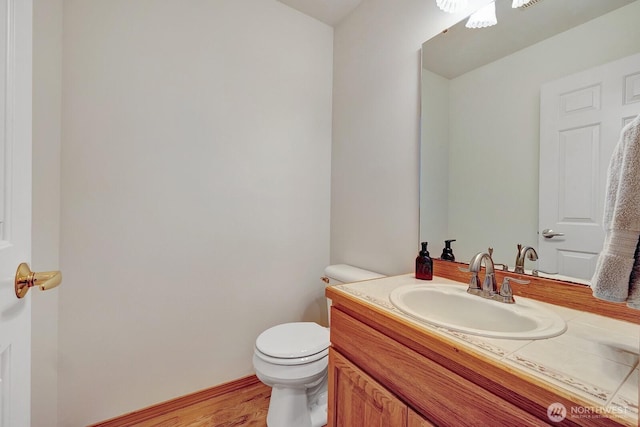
596, 358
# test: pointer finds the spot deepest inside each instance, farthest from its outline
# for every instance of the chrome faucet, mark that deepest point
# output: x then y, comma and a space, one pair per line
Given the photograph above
524, 251
489, 286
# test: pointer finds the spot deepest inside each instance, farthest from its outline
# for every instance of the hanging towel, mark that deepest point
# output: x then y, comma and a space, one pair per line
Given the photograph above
634, 286
617, 275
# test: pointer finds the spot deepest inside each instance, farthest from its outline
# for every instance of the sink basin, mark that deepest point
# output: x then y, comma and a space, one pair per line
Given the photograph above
451, 307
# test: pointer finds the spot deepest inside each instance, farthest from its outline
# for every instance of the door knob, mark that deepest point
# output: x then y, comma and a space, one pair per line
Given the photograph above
25, 279
548, 233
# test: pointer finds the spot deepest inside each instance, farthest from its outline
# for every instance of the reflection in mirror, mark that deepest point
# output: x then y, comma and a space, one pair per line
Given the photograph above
481, 123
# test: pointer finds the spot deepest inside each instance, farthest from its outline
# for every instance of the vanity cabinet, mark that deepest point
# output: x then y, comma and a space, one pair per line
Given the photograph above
360, 401
381, 360
376, 381
415, 420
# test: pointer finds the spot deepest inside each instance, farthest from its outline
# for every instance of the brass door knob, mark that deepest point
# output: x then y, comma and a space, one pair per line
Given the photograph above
25, 279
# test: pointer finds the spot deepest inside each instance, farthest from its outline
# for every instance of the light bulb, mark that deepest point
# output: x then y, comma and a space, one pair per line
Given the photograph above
484, 17
452, 6
519, 3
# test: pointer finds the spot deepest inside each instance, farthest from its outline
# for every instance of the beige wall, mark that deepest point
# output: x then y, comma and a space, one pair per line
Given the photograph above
195, 193
376, 119
47, 68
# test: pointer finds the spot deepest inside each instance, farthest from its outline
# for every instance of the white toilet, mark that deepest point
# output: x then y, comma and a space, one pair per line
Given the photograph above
292, 358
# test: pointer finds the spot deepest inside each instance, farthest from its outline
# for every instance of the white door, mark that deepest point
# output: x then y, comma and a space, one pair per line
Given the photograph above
581, 117
15, 209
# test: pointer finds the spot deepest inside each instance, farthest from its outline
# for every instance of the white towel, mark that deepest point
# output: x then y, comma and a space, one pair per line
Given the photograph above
617, 275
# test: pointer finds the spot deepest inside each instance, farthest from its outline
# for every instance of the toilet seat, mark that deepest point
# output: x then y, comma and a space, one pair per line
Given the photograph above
290, 361
293, 343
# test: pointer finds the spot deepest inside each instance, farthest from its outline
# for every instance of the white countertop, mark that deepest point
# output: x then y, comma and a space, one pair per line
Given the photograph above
596, 358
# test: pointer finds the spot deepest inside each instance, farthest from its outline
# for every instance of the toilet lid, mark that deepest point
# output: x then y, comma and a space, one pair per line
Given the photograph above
293, 340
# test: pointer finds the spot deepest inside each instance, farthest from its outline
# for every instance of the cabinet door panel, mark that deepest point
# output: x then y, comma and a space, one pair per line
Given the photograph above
357, 400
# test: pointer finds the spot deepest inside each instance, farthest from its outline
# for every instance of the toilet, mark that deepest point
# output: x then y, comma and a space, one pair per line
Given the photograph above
292, 358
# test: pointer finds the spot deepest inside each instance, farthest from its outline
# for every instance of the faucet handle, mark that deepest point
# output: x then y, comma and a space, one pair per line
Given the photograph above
505, 289
504, 267
513, 279
536, 272
474, 282
506, 293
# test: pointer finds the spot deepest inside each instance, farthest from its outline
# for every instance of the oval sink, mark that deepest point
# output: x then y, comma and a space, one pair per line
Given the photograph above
451, 307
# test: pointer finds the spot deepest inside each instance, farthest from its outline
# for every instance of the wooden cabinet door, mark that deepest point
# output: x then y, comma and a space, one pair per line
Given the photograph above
357, 400
416, 420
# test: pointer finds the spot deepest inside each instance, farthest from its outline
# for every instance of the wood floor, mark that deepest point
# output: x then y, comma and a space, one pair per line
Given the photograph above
241, 403
246, 407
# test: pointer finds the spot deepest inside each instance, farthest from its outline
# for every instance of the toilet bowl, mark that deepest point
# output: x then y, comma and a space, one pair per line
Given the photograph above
292, 358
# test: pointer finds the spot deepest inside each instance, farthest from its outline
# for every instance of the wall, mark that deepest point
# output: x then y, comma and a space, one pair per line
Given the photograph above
47, 70
376, 120
507, 127
195, 193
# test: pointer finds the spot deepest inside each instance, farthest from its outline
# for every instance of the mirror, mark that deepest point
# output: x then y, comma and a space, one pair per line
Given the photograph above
480, 127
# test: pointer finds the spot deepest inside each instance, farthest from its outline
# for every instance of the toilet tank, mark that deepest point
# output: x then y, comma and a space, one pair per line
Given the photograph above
342, 273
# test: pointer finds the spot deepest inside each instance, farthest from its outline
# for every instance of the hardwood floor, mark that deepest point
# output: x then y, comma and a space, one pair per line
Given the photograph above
240, 403
246, 407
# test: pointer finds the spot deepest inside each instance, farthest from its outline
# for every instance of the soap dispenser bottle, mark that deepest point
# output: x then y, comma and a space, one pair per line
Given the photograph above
447, 253
424, 264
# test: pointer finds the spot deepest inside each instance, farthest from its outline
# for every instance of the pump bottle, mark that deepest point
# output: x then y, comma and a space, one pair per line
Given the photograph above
424, 264
447, 252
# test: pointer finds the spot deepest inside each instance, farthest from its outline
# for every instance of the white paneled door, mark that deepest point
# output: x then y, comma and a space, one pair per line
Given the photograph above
15, 209
581, 117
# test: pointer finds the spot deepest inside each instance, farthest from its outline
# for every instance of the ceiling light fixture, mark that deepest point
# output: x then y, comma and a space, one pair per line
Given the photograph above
452, 6
519, 3
484, 17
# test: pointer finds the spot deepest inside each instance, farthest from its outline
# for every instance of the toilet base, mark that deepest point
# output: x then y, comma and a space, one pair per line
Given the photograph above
319, 413
298, 407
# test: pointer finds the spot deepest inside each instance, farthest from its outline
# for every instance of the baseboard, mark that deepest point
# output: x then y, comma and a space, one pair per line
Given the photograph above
160, 409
